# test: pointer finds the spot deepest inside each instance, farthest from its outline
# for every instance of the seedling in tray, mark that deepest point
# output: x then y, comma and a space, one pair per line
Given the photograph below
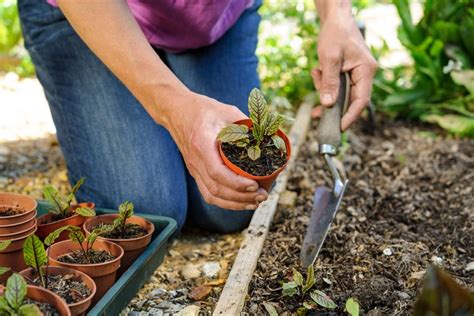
258, 150
120, 229
86, 254
13, 302
61, 206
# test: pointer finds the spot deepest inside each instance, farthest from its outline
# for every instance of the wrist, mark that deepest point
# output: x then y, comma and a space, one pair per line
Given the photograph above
334, 9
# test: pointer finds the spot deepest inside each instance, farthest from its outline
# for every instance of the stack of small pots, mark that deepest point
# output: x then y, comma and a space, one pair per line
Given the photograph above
17, 222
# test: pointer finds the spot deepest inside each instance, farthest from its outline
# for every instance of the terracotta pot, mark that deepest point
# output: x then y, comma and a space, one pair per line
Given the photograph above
20, 202
12, 256
103, 274
45, 296
76, 220
132, 247
20, 226
265, 182
80, 307
20, 233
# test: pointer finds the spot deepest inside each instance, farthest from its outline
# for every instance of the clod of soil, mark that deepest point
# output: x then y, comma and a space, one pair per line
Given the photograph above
10, 211
58, 217
45, 308
271, 158
408, 204
93, 256
66, 286
131, 231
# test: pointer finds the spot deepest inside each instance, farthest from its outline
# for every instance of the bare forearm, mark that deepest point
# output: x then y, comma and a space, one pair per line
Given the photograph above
333, 8
111, 32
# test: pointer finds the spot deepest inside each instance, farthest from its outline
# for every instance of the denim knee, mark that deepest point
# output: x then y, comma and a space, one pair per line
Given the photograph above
219, 220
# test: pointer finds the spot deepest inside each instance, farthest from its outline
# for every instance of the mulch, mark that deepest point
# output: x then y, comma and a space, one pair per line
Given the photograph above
409, 203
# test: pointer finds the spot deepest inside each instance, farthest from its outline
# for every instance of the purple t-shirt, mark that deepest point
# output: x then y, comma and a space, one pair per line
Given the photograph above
178, 25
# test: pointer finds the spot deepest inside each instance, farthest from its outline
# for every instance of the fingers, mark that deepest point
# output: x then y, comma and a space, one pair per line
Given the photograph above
360, 94
331, 63
316, 112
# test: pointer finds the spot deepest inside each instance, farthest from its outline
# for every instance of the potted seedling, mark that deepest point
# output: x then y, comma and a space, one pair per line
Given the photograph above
62, 212
17, 213
19, 299
100, 259
73, 286
132, 233
256, 148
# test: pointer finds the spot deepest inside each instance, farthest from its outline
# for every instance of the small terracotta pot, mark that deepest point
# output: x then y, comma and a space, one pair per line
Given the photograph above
80, 307
132, 247
265, 182
20, 233
12, 256
20, 202
77, 220
12, 228
103, 274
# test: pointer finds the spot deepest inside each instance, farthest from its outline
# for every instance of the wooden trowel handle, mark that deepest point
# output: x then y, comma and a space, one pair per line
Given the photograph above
329, 128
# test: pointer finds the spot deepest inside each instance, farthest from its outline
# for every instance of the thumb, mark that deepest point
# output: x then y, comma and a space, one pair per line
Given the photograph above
330, 68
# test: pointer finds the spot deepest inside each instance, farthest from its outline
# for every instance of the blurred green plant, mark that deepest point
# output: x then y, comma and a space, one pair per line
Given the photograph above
13, 57
438, 87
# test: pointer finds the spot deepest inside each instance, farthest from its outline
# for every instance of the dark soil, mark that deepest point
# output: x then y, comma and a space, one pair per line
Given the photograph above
45, 308
66, 286
409, 203
58, 217
131, 231
271, 158
94, 256
10, 211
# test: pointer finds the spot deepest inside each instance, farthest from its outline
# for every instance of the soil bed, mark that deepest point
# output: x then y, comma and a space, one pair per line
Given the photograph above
271, 158
409, 203
57, 217
10, 212
131, 231
68, 288
45, 308
94, 256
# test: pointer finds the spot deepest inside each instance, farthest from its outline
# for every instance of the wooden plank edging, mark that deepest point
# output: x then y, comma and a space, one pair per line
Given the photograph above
233, 295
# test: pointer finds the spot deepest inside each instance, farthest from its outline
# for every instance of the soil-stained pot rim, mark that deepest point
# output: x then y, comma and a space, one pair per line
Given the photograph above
236, 169
116, 240
20, 223
14, 242
72, 265
19, 234
64, 220
27, 210
63, 270
49, 297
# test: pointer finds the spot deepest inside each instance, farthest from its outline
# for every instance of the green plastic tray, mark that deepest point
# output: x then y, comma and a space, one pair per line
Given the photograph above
125, 288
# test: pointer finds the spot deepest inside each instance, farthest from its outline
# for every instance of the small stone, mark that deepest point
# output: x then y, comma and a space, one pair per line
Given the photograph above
287, 198
388, 251
191, 271
436, 260
155, 312
200, 293
403, 295
191, 310
470, 266
133, 313
211, 269
156, 293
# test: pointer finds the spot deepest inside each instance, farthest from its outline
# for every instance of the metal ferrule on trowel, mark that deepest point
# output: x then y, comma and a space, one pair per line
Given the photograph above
326, 200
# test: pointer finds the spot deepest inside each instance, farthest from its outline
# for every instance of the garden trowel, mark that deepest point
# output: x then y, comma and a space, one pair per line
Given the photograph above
326, 200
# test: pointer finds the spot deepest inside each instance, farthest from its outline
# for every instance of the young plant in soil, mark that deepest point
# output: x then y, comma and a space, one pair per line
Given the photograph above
120, 229
307, 298
14, 301
257, 150
36, 257
86, 254
61, 206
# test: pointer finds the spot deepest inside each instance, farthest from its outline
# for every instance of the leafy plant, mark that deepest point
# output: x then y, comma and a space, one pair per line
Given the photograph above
263, 130
299, 288
35, 257
12, 301
62, 205
75, 235
10, 32
120, 223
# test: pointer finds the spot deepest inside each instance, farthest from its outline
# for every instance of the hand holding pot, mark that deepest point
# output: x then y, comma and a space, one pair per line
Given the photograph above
195, 133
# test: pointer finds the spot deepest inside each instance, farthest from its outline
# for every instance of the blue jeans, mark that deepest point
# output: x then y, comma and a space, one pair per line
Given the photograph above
105, 133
